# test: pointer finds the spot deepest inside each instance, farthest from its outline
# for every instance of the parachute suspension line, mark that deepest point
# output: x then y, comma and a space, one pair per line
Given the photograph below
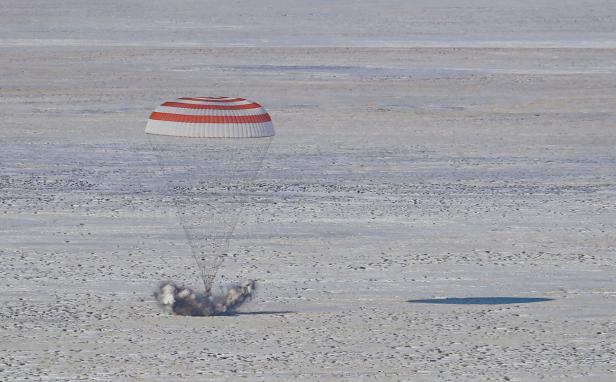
260, 156
158, 161
239, 162
178, 211
235, 187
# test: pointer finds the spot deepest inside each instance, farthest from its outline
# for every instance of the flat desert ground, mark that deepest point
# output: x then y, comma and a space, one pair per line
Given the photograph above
439, 203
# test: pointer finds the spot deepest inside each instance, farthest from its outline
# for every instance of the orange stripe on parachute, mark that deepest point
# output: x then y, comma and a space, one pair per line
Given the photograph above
260, 118
214, 107
213, 99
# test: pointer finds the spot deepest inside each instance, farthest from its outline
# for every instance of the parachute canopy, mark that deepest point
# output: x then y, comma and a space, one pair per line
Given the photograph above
210, 117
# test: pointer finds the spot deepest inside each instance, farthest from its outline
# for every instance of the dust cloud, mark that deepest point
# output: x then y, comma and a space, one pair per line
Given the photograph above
184, 301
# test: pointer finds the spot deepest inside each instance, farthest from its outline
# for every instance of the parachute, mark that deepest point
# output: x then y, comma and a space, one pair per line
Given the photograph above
209, 150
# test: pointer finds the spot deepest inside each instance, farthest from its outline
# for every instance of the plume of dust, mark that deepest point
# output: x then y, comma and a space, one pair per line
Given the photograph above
184, 301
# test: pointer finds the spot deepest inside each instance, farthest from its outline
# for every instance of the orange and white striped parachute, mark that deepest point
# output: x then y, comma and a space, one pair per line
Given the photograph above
211, 117
210, 150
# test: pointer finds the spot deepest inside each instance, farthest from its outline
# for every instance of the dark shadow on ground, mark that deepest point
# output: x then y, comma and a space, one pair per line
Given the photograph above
265, 312
481, 300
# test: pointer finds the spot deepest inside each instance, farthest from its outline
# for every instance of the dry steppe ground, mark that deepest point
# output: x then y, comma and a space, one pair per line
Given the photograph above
425, 150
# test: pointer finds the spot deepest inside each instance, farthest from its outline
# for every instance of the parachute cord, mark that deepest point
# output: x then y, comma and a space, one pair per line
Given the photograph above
176, 204
240, 202
158, 162
230, 157
236, 217
260, 159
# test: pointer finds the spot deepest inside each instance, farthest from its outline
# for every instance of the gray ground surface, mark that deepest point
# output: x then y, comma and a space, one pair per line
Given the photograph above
424, 151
